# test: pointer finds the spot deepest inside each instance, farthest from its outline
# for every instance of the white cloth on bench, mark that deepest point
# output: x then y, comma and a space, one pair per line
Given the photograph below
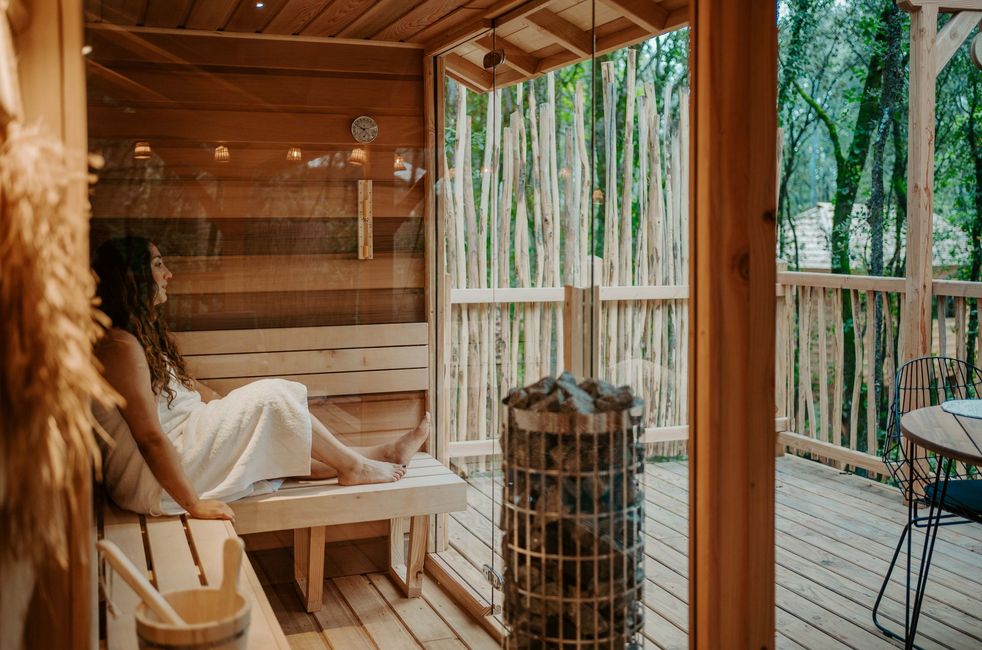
230, 448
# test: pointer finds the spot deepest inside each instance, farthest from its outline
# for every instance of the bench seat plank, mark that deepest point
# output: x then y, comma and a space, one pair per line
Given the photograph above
122, 528
175, 568
264, 630
170, 555
429, 488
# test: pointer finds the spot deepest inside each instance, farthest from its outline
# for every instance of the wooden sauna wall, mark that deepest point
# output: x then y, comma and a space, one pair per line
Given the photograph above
261, 241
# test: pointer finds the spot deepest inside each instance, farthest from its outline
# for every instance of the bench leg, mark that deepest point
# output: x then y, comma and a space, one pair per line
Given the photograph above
407, 572
308, 566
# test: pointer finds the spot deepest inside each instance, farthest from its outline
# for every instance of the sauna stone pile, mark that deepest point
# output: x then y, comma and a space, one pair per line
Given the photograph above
572, 515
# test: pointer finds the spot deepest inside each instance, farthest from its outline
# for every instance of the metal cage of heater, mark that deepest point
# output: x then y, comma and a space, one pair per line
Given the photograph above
573, 516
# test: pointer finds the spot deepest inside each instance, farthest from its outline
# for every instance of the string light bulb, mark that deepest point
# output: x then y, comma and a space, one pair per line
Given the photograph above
358, 157
141, 150
294, 154
399, 163
221, 154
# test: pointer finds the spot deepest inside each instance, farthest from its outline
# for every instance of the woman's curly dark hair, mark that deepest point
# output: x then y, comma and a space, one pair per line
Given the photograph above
126, 290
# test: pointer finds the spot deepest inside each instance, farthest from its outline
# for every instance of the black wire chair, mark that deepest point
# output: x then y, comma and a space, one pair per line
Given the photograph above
928, 381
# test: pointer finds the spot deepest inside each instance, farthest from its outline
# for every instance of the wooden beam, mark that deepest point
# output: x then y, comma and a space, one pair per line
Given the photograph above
515, 57
833, 452
501, 14
916, 322
952, 35
945, 6
732, 335
566, 33
475, 76
643, 13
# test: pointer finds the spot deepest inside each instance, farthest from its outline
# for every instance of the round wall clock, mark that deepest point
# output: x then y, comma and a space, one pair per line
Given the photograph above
364, 129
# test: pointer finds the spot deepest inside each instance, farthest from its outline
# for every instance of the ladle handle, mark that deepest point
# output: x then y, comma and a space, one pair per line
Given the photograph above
139, 582
232, 560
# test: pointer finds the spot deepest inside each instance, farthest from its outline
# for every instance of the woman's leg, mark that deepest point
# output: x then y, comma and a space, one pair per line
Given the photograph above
375, 461
352, 467
400, 451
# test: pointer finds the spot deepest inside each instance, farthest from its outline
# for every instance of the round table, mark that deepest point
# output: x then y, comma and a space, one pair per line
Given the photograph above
951, 438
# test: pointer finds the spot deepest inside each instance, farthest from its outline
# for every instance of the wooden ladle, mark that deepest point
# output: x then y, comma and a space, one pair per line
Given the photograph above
140, 584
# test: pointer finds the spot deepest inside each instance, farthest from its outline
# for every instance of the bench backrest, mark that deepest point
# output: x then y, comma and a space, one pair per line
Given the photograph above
330, 361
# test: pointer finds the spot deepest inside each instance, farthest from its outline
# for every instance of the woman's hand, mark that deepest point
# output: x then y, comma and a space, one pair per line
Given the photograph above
211, 509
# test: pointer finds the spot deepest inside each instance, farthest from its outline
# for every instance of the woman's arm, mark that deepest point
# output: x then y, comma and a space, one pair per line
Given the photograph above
126, 370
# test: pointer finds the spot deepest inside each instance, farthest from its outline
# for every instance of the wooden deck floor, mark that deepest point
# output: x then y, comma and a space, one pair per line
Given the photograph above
835, 536
366, 612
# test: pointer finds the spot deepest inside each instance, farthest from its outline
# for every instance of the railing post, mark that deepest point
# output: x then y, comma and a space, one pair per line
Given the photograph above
781, 345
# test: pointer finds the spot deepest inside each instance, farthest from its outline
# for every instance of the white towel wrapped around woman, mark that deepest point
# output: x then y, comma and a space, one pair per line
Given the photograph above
230, 448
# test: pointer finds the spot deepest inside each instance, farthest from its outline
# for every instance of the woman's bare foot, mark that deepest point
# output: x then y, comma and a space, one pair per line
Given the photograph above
401, 451
372, 471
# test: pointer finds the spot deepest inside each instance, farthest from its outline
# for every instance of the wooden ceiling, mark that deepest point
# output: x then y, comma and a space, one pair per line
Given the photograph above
536, 35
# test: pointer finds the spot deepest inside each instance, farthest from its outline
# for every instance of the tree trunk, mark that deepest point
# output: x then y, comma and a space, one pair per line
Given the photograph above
892, 84
972, 128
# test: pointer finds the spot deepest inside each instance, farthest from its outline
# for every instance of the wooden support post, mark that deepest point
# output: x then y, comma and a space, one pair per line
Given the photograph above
407, 569
916, 321
308, 566
48, 40
731, 368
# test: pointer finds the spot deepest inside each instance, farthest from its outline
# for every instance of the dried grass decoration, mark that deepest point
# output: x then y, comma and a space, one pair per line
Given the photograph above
49, 325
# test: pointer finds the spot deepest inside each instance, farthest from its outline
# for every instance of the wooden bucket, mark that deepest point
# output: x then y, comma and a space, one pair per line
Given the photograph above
213, 622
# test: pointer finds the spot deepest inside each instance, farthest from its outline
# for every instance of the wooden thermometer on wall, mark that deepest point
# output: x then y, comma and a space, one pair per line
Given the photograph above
365, 234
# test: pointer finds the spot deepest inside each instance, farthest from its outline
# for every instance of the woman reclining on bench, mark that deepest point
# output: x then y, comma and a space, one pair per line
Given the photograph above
179, 446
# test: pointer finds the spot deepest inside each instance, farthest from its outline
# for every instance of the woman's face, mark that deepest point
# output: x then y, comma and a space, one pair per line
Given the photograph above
161, 274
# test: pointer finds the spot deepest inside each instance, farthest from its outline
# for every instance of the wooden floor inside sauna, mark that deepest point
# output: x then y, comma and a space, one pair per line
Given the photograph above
835, 536
366, 611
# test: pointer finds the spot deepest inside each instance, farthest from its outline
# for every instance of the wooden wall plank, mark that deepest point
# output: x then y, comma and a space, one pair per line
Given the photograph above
309, 90
245, 127
263, 199
344, 383
181, 237
731, 368
253, 273
294, 309
307, 362
301, 338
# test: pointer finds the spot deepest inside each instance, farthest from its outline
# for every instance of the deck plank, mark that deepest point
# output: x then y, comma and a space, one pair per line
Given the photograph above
379, 620
831, 559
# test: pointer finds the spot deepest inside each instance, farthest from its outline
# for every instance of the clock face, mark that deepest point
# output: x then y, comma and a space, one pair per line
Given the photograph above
364, 129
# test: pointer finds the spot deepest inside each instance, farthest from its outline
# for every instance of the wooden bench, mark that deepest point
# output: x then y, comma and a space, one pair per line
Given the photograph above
179, 553
336, 362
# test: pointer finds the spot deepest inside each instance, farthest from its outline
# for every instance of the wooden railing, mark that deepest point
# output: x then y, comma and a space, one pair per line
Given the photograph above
834, 410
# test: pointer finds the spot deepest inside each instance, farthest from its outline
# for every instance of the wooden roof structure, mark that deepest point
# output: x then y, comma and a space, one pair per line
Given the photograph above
536, 35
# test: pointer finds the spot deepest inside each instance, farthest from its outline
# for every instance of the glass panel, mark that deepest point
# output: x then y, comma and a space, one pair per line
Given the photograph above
274, 207
641, 221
